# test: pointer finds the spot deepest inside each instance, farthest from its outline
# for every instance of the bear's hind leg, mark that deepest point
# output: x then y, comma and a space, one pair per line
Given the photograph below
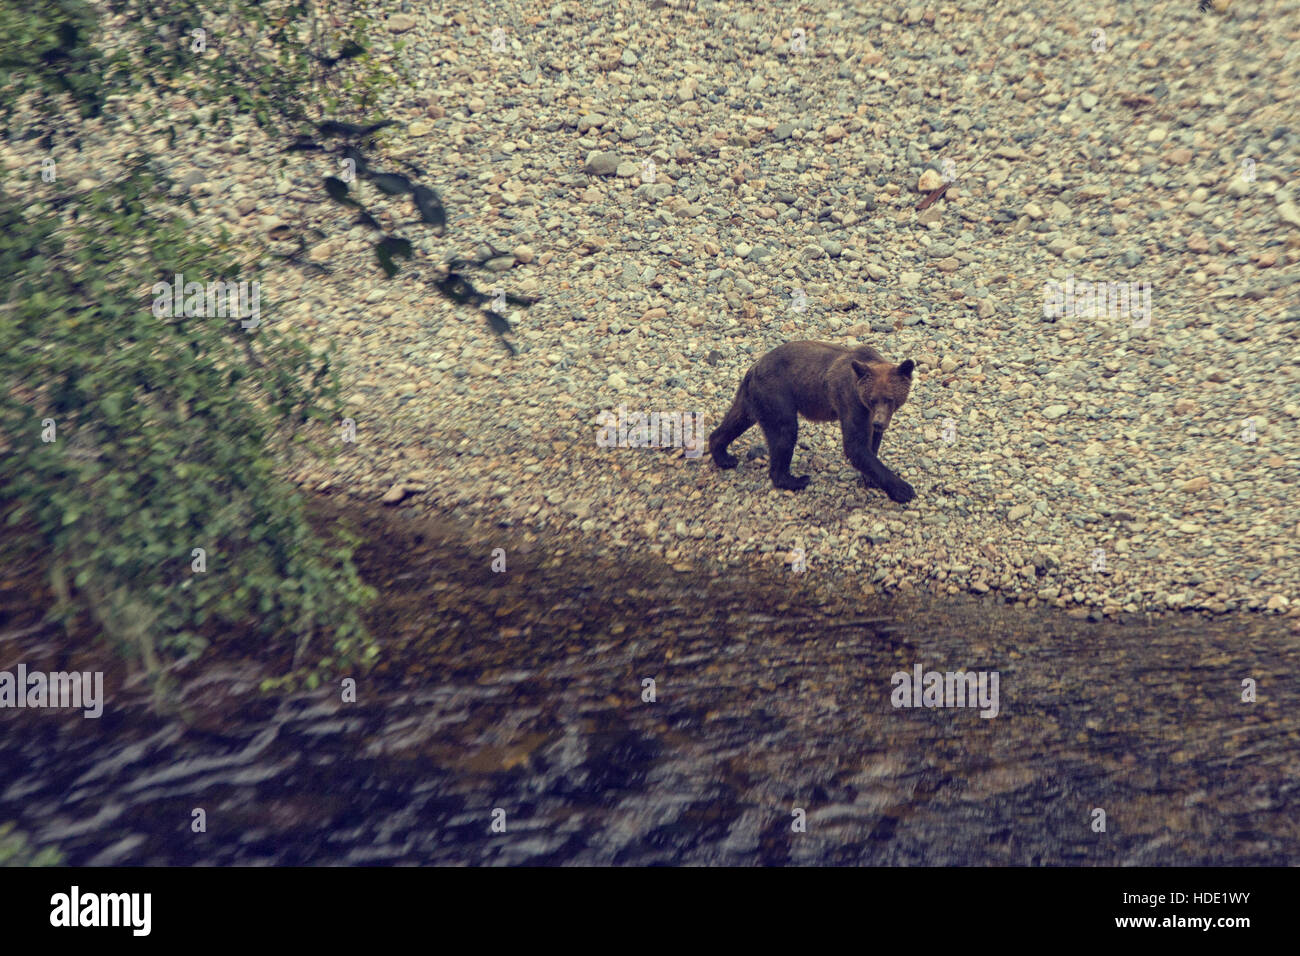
781, 428
734, 424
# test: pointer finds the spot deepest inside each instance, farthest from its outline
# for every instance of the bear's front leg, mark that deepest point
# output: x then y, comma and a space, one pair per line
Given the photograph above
859, 448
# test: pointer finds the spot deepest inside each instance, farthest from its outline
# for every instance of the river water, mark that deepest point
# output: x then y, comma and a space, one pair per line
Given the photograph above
519, 699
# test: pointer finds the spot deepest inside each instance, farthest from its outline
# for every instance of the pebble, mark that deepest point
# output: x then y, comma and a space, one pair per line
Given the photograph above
395, 494
602, 164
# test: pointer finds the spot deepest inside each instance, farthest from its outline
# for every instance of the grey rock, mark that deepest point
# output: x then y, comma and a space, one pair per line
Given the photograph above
601, 164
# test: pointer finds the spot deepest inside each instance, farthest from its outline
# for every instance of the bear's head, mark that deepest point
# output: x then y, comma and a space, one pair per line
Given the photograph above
882, 389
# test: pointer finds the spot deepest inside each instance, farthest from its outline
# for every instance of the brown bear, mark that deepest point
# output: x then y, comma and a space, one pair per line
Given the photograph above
822, 382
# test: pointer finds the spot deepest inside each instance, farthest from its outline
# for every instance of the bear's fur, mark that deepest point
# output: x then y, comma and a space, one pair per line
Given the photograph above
822, 382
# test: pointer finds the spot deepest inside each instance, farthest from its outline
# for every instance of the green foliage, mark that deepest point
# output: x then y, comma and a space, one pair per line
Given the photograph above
162, 427
270, 59
14, 850
167, 427
45, 47
278, 83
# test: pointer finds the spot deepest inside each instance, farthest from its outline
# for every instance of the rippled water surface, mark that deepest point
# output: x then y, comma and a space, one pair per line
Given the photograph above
523, 692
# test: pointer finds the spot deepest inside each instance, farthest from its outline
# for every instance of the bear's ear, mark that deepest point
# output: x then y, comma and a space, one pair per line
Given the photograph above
861, 368
905, 369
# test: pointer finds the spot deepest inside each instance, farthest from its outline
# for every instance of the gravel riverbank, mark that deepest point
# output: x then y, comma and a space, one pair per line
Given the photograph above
687, 185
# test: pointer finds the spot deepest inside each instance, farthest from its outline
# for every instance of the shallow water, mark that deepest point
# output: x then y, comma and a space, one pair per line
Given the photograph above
523, 692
